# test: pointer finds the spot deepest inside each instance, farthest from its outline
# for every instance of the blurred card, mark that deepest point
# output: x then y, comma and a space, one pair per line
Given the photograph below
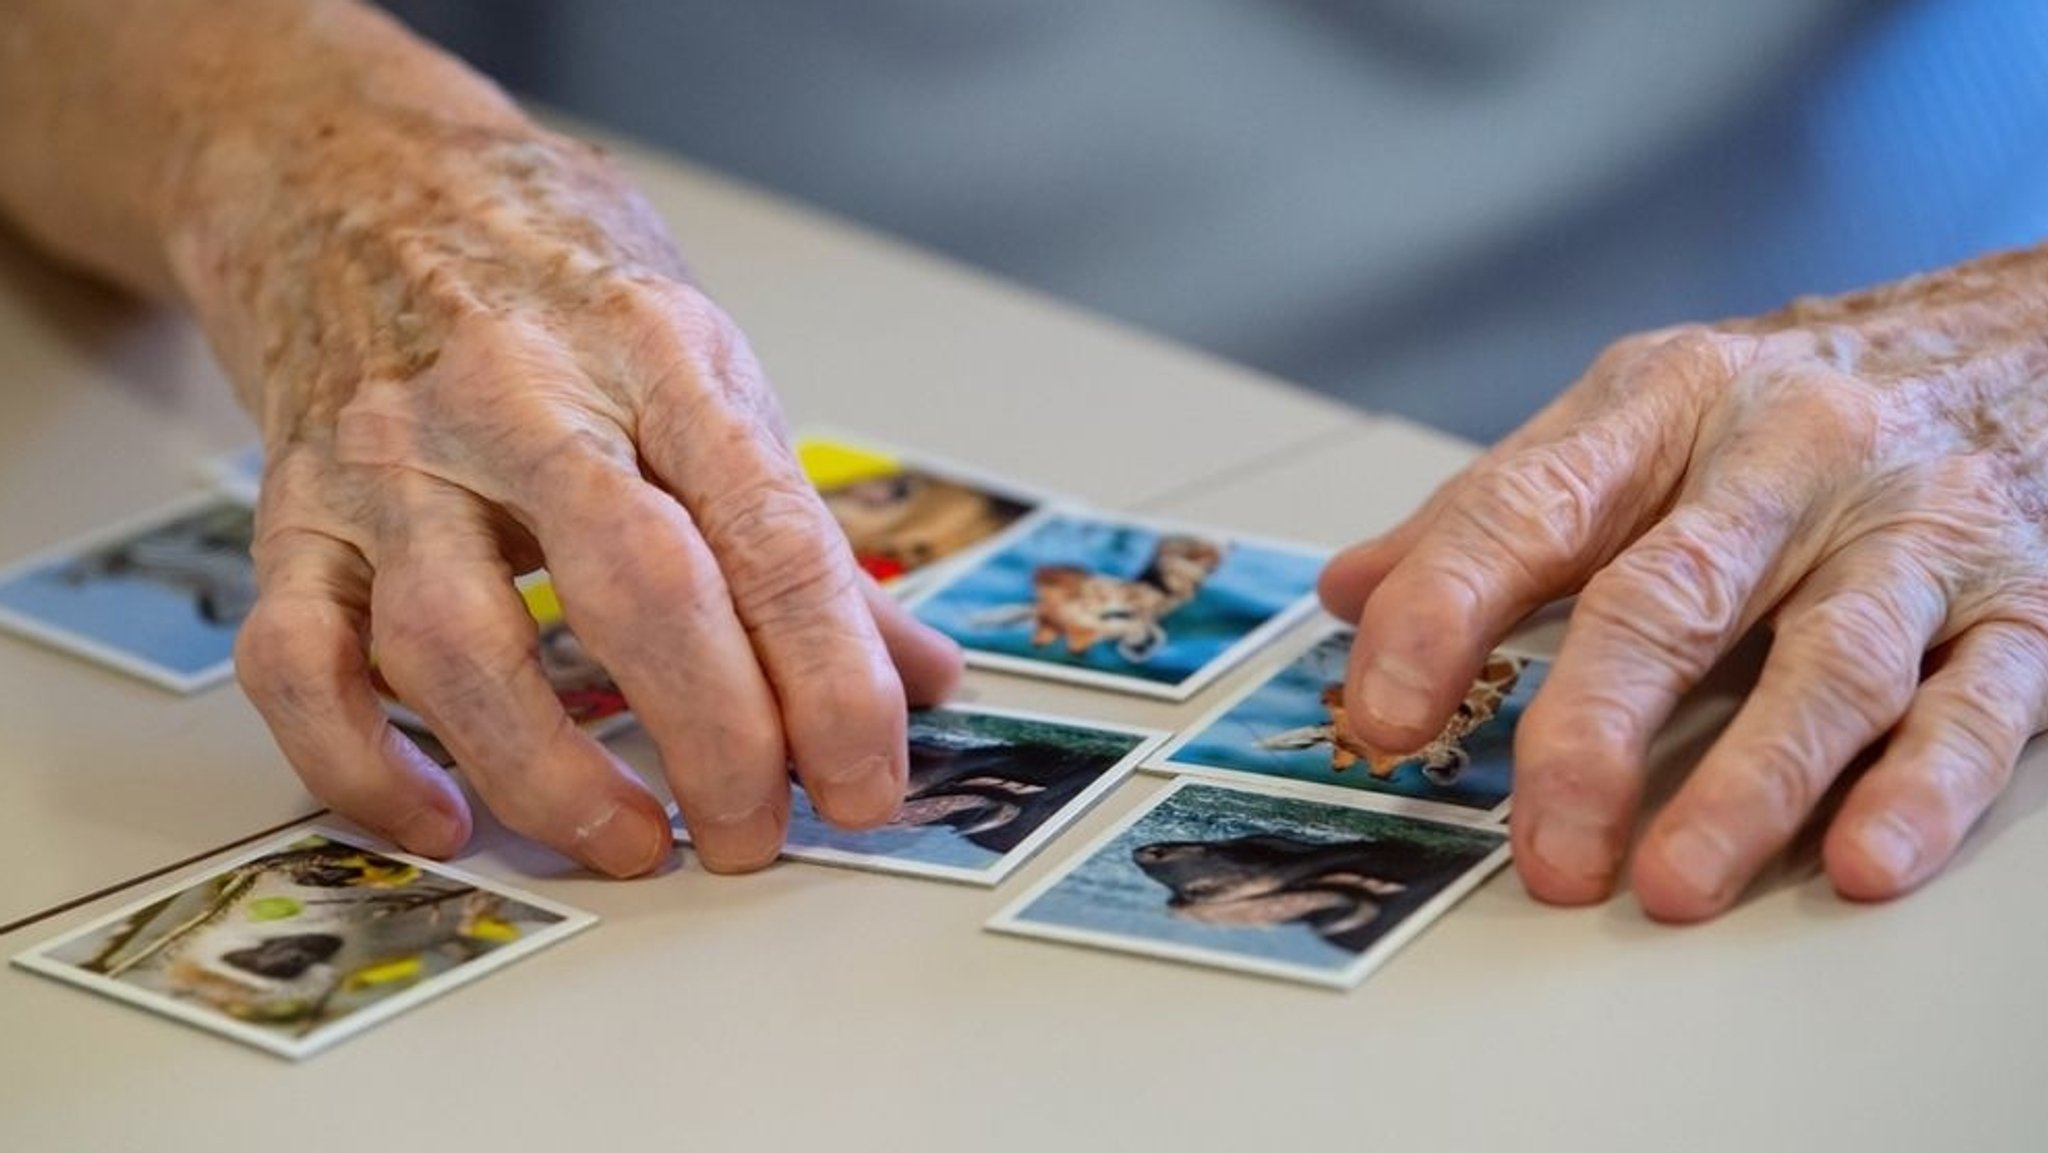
238, 474
907, 514
1120, 604
1291, 727
305, 941
587, 693
988, 788
160, 598
1271, 883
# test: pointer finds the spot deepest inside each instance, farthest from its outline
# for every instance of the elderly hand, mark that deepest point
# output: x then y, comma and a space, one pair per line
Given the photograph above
473, 349
1864, 475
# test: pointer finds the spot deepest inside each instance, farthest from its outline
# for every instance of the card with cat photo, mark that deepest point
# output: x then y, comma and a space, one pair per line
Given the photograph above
1260, 881
1290, 727
1141, 607
987, 789
909, 514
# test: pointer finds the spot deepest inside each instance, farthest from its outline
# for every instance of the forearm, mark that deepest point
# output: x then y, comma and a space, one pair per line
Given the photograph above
125, 126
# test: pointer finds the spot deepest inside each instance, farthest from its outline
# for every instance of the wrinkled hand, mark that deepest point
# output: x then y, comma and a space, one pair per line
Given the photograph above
473, 351
1865, 475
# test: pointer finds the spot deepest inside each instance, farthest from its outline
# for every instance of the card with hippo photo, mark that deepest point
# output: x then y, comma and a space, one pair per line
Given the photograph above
1277, 884
907, 514
1291, 727
306, 940
160, 598
1143, 608
592, 700
988, 788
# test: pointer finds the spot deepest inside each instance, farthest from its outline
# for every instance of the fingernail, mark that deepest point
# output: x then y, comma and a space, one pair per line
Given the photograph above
1396, 693
740, 843
428, 831
1891, 844
1572, 846
867, 792
1702, 858
622, 843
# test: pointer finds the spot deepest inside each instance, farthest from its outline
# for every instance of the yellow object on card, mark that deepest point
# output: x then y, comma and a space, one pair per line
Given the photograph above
835, 464
391, 972
541, 600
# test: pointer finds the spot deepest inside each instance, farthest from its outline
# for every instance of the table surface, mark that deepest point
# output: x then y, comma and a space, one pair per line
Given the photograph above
816, 1007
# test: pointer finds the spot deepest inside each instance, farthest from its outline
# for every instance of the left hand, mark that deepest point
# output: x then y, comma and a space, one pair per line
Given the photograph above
1866, 475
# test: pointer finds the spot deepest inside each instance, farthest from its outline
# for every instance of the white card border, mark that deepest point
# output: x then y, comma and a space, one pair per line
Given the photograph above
37, 958
1000, 869
1010, 919
1164, 764
99, 652
1236, 654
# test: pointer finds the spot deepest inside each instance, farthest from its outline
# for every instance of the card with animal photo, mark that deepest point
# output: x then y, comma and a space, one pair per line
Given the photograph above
907, 514
304, 941
587, 693
1291, 727
988, 788
1121, 604
1265, 882
159, 598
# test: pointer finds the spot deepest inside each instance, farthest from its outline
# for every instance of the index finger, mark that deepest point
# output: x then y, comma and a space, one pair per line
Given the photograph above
1525, 530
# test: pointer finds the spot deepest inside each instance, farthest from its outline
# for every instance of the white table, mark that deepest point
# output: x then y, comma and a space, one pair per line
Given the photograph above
813, 1008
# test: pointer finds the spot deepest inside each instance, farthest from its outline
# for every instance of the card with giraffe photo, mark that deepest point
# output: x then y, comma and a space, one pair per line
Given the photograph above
1290, 727
305, 940
1153, 609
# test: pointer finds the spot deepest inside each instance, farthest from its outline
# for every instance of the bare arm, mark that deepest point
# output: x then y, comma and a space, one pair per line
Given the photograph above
119, 122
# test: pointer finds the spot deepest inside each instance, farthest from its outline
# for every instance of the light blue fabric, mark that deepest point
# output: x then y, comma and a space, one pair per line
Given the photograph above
1439, 207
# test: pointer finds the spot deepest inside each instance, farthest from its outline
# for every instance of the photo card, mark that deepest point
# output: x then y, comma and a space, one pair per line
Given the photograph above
1290, 727
907, 514
1272, 883
988, 788
304, 941
160, 597
1136, 606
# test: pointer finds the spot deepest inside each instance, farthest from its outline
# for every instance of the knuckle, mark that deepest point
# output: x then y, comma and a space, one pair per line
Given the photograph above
1973, 772
1784, 771
777, 547
1859, 655
1832, 416
693, 356
1692, 357
1980, 721
1580, 754
268, 660
446, 634
1541, 502
1672, 594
